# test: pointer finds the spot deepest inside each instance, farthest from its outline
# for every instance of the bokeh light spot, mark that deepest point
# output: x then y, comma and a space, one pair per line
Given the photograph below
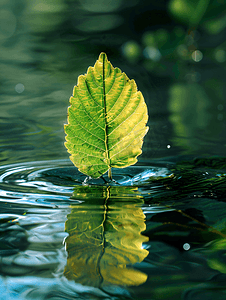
220, 117
152, 53
182, 51
19, 88
197, 55
186, 246
131, 50
220, 55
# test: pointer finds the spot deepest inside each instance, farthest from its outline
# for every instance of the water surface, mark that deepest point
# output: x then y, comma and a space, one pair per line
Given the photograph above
158, 230
61, 238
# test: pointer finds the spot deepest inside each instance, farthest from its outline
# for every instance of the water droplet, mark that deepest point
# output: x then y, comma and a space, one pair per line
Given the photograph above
186, 246
19, 88
168, 146
197, 55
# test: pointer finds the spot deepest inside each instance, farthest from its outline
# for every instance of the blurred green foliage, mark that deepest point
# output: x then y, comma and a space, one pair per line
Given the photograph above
209, 14
173, 48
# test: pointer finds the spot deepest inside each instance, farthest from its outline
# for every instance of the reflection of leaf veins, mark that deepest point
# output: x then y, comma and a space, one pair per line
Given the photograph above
105, 236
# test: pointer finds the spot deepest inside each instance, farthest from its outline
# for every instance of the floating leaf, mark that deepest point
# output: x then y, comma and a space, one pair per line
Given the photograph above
106, 120
105, 237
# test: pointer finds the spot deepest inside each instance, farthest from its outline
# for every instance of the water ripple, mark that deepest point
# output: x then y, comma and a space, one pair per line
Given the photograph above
51, 183
52, 226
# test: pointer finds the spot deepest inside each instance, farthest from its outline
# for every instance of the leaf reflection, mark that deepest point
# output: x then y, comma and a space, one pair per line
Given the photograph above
105, 236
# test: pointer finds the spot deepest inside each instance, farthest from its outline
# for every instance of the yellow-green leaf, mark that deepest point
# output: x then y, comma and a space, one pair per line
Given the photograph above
106, 120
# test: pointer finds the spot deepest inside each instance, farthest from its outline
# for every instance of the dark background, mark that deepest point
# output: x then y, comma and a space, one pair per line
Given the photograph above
175, 50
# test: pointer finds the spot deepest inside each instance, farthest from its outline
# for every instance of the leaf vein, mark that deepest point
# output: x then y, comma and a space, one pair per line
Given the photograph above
87, 130
91, 94
125, 137
93, 77
87, 143
117, 100
86, 111
86, 155
127, 117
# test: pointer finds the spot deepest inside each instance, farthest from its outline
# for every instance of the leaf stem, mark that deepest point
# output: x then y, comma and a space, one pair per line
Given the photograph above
109, 174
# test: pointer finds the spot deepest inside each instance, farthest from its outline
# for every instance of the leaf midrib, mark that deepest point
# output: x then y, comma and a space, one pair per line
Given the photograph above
105, 117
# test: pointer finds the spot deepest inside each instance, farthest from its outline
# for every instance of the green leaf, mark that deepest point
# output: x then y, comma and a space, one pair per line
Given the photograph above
106, 120
105, 236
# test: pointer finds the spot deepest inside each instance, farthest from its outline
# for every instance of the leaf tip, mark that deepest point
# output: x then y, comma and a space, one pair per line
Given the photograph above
102, 56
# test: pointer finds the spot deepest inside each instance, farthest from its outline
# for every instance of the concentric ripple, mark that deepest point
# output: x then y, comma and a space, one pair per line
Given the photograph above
37, 199
51, 183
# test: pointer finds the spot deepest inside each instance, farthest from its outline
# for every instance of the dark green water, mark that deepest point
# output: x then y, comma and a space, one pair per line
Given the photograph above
159, 232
